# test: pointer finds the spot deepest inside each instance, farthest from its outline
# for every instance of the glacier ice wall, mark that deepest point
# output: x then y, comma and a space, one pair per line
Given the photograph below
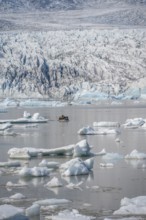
56, 64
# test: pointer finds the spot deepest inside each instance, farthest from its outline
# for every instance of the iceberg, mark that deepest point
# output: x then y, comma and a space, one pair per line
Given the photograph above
35, 118
10, 164
34, 172
33, 210
134, 206
136, 155
71, 215
48, 202
76, 167
5, 126
91, 131
82, 148
9, 211
51, 164
134, 123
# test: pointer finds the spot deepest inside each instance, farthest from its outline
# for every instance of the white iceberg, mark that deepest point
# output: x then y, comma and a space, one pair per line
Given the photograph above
71, 215
106, 124
102, 131
54, 182
35, 118
19, 153
9, 184
33, 210
9, 211
77, 167
10, 164
74, 186
112, 157
49, 164
136, 155
5, 126
48, 202
17, 196
82, 148
134, 123
134, 206
34, 172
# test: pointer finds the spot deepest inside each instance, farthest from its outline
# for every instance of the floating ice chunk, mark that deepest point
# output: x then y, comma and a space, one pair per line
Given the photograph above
10, 164
112, 157
75, 186
76, 167
71, 215
9, 102
34, 172
5, 126
17, 153
128, 218
134, 123
106, 124
108, 165
135, 155
15, 185
134, 206
101, 153
33, 210
102, 131
36, 118
82, 148
50, 164
9, 211
48, 202
17, 196
54, 183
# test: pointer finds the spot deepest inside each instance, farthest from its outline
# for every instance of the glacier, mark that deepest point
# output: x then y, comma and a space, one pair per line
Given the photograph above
75, 65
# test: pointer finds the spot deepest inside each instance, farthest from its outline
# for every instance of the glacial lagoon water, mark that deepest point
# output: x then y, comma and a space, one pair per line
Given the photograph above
101, 191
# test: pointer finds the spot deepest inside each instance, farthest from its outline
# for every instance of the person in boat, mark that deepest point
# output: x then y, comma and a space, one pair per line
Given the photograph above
63, 118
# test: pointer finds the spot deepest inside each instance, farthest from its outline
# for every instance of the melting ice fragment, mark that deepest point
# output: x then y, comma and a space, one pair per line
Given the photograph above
135, 155
54, 182
102, 131
34, 172
106, 124
71, 215
9, 211
76, 167
134, 206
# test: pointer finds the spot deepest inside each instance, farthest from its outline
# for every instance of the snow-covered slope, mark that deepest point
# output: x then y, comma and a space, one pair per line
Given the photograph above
58, 63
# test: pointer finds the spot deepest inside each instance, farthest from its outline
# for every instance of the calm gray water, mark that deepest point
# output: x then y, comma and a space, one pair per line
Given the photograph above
125, 179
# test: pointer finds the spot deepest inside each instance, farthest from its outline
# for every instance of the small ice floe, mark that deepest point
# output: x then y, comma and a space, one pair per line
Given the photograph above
77, 167
102, 131
107, 165
34, 172
112, 157
48, 202
136, 155
80, 149
10, 164
106, 124
134, 123
33, 210
41, 103
49, 164
9, 211
15, 185
75, 186
127, 218
54, 183
134, 206
19, 153
70, 215
27, 118
14, 198
5, 126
